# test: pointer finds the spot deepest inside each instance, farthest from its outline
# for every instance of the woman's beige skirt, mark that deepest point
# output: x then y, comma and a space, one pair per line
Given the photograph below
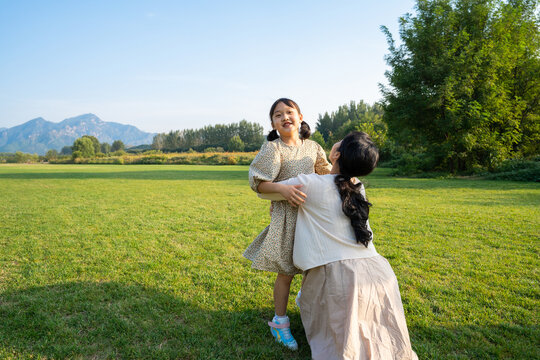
351, 309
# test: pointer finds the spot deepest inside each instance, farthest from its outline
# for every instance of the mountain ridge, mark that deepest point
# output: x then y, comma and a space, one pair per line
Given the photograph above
39, 135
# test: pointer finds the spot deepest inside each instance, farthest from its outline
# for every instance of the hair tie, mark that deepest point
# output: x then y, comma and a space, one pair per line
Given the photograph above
305, 130
273, 135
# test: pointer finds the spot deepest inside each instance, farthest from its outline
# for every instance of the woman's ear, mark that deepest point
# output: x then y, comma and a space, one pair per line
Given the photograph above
334, 156
334, 153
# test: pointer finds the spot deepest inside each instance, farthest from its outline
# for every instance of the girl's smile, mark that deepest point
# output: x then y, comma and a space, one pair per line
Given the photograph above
286, 120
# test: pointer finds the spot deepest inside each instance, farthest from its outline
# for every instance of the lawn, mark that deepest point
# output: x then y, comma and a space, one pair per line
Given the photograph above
145, 261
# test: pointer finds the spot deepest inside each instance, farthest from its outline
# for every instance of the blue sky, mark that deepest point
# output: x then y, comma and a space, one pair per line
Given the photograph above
162, 65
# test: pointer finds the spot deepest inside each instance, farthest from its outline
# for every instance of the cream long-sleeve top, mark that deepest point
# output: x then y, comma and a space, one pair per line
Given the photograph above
323, 232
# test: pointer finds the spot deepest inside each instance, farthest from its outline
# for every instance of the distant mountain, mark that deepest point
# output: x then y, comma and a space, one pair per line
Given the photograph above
39, 135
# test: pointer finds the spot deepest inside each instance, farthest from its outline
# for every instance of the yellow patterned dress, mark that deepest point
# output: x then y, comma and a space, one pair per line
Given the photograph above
272, 249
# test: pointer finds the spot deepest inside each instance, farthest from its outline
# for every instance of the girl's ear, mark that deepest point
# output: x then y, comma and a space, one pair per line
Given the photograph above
301, 117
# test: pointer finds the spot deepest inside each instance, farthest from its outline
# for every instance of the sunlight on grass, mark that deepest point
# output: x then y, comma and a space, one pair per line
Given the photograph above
106, 261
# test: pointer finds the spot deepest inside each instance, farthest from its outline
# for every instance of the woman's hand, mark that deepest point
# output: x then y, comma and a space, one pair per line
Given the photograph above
293, 194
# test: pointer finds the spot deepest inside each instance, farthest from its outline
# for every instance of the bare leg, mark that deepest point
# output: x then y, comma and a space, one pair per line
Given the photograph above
281, 293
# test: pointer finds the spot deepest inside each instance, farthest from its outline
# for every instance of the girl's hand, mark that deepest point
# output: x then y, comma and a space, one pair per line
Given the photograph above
293, 195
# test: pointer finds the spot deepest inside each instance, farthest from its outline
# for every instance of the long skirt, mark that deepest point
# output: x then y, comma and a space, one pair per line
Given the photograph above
352, 309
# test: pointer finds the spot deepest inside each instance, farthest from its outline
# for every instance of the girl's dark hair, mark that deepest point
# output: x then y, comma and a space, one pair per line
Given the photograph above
358, 157
305, 131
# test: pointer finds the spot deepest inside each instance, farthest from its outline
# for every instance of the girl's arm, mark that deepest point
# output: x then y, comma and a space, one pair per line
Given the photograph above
322, 166
291, 193
265, 166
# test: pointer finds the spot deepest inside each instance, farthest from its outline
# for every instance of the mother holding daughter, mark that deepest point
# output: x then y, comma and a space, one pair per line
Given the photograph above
350, 302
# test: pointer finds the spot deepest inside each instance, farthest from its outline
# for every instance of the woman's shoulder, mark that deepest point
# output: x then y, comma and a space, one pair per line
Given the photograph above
316, 179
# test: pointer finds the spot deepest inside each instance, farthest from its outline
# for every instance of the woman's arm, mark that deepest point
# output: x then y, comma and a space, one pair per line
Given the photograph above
291, 193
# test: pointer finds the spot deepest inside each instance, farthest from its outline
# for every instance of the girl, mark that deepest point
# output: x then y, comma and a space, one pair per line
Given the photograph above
280, 158
350, 303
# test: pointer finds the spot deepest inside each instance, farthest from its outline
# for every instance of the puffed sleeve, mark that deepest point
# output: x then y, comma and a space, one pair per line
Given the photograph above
322, 166
265, 166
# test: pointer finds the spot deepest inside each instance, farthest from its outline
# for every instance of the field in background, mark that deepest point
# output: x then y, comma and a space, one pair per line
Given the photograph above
108, 261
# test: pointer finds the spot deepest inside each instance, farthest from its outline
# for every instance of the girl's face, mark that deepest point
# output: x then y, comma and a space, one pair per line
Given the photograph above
286, 120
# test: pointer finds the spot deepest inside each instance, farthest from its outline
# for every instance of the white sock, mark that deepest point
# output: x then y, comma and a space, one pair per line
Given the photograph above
280, 319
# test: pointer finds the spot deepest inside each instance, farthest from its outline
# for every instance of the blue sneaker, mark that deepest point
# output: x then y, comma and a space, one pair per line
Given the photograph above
282, 334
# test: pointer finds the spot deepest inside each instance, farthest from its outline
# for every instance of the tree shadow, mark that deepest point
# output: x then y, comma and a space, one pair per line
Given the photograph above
104, 320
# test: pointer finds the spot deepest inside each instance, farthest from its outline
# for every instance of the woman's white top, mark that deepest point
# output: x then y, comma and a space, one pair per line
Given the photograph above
323, 232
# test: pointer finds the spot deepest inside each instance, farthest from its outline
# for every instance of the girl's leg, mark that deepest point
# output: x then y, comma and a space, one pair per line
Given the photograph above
282, 287
280, 326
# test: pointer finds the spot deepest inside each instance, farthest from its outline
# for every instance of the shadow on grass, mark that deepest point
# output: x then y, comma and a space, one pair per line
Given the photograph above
114, 320
179, 174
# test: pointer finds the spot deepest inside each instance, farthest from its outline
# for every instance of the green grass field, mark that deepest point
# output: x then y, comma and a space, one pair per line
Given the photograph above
102, 262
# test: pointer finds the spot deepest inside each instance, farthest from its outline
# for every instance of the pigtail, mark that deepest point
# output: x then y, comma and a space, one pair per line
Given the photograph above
305, 130
273, 135
355, 207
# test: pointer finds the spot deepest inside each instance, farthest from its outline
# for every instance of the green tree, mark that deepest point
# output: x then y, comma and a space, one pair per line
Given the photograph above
235, 144
158, 142
214, 136
117, 145
105, 148
317, 137
84, 147
51, 155
354, 117
464, 86
95, 143
66, 150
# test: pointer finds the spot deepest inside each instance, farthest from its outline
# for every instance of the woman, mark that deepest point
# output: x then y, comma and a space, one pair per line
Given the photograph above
350, 303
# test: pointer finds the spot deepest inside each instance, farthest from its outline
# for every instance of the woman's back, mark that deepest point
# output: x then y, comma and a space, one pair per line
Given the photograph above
323, 232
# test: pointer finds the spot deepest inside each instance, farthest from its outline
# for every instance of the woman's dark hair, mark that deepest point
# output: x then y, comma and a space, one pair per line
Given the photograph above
305, 131
358, 157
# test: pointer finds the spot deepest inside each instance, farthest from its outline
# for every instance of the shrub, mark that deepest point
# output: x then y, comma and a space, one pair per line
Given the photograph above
231, 160
409, 164
516, 170
76, 155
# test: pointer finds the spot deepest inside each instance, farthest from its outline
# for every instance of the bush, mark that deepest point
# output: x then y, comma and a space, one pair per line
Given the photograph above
410, 164
152, 152
76, 155
231, 160
516, 170
218, 149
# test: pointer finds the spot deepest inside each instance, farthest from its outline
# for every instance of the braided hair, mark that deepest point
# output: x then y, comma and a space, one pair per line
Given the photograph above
358, 157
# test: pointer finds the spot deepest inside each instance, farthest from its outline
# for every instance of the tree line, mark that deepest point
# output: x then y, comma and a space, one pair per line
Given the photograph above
332, 127
242, 136
87, 146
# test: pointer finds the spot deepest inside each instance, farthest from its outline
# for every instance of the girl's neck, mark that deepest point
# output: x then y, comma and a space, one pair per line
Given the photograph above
291, 140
